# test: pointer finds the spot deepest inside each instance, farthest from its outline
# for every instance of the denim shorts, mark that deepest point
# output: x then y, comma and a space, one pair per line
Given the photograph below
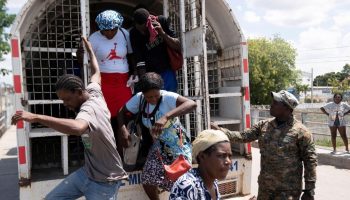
78, 184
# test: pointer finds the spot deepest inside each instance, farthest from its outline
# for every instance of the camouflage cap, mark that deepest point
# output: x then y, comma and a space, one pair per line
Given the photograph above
286, 98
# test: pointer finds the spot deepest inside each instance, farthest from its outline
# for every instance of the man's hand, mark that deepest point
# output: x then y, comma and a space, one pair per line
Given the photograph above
23, 115
307, 195
158, 27
214, 126
87, 44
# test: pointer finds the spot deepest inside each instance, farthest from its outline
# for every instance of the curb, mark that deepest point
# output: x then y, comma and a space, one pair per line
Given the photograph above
324, 157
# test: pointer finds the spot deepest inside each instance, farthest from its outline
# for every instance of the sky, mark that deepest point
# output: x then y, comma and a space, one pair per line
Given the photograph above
319, 30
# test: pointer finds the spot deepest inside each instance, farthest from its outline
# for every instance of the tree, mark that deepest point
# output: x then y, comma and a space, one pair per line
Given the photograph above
5, 21
339, 86
301, 88
272, 67
325, 79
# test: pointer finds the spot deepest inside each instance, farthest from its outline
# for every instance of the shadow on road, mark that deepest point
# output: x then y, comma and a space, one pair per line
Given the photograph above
9, 188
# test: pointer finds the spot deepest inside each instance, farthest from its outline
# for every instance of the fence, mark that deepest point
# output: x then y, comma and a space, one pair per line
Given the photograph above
6, 110
311, 117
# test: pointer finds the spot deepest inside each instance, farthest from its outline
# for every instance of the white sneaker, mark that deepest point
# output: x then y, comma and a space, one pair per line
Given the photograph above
334, 152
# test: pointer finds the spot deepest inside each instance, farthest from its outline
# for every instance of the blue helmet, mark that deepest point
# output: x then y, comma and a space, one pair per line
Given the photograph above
109, 19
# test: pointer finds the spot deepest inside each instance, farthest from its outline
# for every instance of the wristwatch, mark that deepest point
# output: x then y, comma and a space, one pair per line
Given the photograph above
310, 192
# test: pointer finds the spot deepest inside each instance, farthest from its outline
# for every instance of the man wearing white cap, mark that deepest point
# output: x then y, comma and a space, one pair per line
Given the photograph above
212, 151
285, 146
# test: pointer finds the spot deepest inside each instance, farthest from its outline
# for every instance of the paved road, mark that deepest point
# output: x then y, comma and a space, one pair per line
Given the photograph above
332, 183
8, 166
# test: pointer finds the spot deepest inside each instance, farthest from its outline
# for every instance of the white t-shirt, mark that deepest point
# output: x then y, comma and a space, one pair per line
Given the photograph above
111, 54
168, 103
332, 109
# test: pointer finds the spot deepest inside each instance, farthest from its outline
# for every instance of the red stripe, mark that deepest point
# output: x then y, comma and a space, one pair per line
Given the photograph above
247, 120
245, 65
249, 148
17, 83
15, 50
22, 155
19, 123
247, 94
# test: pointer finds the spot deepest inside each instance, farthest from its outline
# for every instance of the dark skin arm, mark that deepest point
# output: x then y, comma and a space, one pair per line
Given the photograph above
66, 126
183, 106
95, 70
173, 43
324, 111
125, 135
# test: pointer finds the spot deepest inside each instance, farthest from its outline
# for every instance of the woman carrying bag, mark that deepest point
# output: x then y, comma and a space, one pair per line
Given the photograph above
160, 112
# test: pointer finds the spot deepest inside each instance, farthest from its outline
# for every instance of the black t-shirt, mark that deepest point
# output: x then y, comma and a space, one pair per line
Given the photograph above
155, 54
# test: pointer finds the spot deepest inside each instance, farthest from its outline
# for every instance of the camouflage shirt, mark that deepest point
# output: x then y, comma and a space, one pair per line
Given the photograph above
284, 148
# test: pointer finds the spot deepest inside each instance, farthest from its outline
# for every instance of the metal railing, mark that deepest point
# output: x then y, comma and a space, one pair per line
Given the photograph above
316, 122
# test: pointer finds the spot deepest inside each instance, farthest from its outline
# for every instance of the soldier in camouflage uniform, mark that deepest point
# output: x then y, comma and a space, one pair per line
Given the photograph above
285, 145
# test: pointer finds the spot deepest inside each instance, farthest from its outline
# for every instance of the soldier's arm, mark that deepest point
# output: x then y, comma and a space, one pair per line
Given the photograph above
309, 157
248, 135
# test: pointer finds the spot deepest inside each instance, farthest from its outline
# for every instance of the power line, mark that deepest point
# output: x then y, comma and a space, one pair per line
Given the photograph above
324, 58
326, 48
326, 61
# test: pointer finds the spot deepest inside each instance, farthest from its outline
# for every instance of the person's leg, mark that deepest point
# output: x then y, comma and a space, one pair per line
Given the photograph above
153, 173
151, 191
333, 130
170, 82
70, 188
342, 132
102, 191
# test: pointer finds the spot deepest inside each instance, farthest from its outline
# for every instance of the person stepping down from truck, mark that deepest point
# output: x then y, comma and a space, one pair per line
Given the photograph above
100, 177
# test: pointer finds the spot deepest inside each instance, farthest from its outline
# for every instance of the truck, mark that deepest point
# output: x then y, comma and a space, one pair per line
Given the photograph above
44, 39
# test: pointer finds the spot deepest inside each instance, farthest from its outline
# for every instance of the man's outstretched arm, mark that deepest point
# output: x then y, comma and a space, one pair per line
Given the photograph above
66, 126
95, 69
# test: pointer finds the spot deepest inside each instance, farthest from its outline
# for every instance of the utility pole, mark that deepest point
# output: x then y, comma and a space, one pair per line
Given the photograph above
312, 86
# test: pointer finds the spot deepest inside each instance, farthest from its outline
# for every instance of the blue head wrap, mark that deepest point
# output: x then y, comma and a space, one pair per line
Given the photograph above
109, 19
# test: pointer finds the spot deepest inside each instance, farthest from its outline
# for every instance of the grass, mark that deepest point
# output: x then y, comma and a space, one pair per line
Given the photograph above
328, 142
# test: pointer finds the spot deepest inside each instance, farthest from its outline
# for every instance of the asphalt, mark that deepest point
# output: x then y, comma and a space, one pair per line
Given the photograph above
8, 165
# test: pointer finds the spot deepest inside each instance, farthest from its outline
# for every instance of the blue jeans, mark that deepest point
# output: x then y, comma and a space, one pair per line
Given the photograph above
170, 82
78, 184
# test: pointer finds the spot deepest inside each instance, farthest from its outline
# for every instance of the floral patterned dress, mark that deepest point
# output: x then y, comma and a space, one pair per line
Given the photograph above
190, 186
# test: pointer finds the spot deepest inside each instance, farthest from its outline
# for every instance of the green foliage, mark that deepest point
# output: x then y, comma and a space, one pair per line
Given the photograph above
328, 142
327, 78
272, 67
339, 86
301, 88
5, 21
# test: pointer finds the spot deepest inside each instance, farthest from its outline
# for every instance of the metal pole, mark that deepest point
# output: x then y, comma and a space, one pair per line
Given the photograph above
84, 12
166, 8
205, 68
184, 69
312, 83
